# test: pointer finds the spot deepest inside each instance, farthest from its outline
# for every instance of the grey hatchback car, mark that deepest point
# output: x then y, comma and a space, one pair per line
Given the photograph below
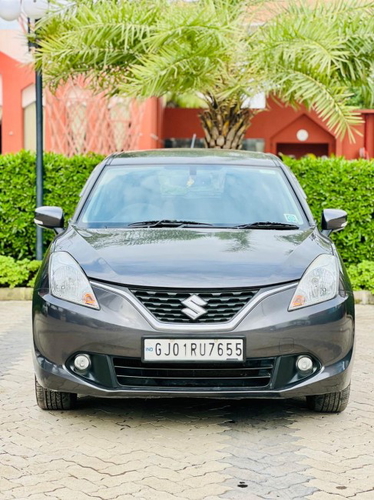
192, 273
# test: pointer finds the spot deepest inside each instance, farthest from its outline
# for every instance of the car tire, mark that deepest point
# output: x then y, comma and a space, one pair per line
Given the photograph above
335, 402
54, 400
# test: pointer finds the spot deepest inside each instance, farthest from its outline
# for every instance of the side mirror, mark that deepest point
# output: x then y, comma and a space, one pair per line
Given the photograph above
50, 218
333, 220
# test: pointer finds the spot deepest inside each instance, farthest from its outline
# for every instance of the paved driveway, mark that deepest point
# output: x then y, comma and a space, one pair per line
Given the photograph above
180, 449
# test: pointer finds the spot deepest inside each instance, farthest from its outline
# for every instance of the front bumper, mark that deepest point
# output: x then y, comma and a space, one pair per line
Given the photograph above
113, 335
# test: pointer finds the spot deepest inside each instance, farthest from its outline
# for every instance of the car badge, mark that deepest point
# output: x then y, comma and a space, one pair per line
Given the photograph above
194, 307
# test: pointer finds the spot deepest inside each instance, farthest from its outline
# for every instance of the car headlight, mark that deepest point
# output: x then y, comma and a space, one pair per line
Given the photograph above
68, 281
318, 284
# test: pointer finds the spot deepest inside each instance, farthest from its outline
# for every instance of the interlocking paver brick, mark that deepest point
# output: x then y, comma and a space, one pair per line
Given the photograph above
69, 494
119, 491
38, 496
25, 491
180, 449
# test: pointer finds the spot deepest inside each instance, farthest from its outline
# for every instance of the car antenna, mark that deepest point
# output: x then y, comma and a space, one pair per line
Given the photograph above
193, 141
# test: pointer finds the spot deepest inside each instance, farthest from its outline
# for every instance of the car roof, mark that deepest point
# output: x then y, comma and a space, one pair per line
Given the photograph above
199, 155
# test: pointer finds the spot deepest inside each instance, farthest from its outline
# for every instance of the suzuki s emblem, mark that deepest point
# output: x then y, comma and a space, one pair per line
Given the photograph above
194, 307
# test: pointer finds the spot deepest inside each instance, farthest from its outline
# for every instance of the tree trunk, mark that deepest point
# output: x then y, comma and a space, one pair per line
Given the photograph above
225, 124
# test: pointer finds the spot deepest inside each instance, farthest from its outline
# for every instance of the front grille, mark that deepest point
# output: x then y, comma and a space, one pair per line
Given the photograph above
166, 304
252, 374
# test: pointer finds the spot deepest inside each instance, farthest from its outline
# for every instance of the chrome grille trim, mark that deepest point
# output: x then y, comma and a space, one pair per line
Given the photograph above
166, 304
190, 327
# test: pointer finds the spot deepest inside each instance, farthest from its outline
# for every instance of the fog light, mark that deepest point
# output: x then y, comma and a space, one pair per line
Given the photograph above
82, 362
304, 364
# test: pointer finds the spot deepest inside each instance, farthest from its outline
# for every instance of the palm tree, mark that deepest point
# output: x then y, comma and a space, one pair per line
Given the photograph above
223, 51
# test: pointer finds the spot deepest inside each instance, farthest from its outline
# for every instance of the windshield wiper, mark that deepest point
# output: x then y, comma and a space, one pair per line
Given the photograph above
168, 223
267, 225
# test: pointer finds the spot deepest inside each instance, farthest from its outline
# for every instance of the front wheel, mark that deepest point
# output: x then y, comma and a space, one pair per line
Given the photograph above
54, 400
334, 402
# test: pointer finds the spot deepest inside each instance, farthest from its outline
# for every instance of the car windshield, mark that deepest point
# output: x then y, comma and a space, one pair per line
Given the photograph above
213, 195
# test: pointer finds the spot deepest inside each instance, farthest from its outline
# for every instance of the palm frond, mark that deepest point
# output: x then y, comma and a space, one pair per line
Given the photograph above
314, 54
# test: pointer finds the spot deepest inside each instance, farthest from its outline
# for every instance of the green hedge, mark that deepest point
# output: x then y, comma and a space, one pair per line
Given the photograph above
64, 179
17, 272
330, 183
362, 275
349, 185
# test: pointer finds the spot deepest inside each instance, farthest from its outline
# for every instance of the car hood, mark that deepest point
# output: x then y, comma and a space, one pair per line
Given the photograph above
184, 258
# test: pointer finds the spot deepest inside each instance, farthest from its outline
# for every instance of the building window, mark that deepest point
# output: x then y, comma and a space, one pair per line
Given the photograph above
29, 127
254, 145
183, 143
29, 118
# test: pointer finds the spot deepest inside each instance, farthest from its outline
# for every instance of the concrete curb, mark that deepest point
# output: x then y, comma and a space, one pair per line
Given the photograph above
20, 293
361, 297
364, 297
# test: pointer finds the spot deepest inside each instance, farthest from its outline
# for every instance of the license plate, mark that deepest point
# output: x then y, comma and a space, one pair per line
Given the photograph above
193, 350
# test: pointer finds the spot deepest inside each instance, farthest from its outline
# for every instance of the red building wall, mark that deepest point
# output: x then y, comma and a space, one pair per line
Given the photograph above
15, 78
278, 125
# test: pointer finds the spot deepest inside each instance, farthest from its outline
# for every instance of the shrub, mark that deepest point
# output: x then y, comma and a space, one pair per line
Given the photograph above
17, 273
64, 179
328, 183
362, 275
349, 185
